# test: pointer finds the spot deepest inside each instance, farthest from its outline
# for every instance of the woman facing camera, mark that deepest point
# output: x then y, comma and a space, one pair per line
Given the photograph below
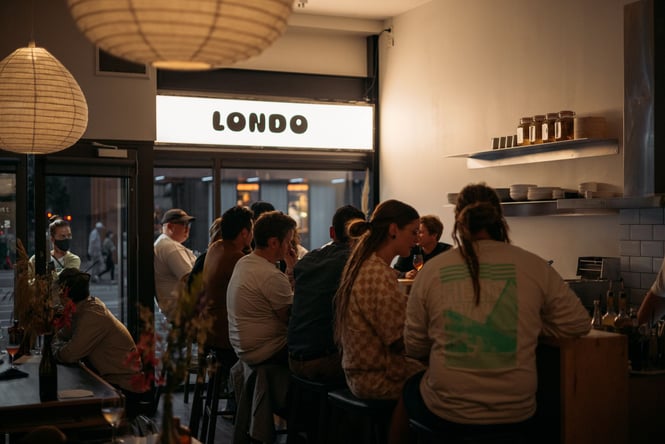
475, 312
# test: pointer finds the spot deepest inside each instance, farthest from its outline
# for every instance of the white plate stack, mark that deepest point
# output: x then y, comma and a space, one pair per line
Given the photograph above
540, 193
520, 191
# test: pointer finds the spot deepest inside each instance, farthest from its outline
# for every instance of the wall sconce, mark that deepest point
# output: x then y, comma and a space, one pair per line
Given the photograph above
182, 35
42, 108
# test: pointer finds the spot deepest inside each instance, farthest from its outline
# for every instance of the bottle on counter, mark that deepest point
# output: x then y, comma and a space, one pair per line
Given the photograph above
564, 127
523, 131
536, 129
610, 314
597, 319
547, 128
622, 321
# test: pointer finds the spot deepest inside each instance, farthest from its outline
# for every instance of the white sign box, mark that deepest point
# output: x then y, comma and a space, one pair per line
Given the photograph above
210, 121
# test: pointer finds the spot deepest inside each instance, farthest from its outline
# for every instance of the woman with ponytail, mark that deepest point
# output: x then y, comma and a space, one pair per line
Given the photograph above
475, 313
370, 308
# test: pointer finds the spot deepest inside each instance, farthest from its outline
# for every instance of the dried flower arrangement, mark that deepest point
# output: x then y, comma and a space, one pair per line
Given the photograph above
37, 305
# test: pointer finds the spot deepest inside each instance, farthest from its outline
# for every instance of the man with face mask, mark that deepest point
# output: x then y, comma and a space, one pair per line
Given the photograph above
61, 257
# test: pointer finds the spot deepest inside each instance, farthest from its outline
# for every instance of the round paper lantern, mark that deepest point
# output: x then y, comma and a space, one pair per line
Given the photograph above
42, 108
182, 35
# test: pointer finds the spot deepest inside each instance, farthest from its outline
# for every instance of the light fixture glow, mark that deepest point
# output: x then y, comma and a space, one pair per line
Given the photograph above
252, 179
159, 178
182, 35
206, 179
42, 108
296, 180
336, 181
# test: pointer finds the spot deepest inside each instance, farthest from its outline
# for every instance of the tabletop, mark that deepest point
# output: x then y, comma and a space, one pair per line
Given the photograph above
80, 392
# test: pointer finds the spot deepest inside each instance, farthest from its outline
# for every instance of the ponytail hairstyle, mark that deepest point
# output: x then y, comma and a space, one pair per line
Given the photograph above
478, 208
369, 236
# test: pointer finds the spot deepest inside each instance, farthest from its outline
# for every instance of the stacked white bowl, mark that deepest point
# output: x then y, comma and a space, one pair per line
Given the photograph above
520, 191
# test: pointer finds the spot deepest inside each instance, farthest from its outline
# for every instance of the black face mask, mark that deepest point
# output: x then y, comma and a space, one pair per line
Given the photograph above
62, 244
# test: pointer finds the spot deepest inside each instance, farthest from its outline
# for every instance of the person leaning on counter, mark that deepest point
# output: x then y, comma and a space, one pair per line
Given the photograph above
653, 305
97, 338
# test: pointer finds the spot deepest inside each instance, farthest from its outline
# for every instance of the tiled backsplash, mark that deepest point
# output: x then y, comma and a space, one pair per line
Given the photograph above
642, 247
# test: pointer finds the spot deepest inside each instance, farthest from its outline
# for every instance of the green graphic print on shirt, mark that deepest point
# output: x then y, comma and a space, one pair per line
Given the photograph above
483, 336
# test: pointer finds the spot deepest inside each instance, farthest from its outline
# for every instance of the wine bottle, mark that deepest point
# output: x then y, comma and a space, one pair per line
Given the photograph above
48, 373
622, 321
597, 319
610, 314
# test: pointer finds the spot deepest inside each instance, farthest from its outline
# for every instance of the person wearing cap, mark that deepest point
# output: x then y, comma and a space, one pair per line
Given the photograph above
173, 261
96, 337
95, 251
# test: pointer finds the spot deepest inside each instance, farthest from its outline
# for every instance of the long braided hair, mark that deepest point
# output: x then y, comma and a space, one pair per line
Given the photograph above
478, 208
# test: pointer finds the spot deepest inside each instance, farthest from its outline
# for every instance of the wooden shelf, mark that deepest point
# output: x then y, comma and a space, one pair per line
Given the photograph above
543, 152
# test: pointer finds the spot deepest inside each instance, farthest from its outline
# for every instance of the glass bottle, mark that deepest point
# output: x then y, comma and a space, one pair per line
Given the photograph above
536, 129
547, 128
564, 127
48, 373
622, 321
610, 314
523, 131
597, 319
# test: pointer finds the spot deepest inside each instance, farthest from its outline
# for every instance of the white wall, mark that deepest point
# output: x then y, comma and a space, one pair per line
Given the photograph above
460, 73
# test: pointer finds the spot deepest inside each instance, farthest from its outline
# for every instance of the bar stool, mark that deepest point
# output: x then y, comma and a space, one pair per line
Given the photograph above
308, 404
374, 414
211, 386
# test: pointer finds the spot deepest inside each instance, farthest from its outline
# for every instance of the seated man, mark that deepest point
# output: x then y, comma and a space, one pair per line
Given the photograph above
223, 254
96, 337
429, 233
259, 295
312, 350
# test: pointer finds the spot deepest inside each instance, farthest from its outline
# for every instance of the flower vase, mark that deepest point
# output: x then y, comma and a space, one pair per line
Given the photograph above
169, 432
48, 372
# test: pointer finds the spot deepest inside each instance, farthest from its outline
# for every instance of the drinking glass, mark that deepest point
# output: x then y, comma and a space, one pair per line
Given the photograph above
13, 344
418, 261
113, 410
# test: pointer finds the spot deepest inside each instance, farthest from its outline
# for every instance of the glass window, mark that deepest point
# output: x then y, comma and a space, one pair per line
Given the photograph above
309, 196
189, 189
96, 208
7, 243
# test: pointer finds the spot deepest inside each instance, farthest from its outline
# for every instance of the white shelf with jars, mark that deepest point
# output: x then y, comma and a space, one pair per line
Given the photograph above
542, 152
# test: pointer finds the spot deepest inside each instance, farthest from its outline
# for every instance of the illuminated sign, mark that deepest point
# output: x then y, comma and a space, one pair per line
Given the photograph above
210, 121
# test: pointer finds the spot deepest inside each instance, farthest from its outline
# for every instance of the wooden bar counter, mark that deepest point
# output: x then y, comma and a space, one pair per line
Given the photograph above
583, 389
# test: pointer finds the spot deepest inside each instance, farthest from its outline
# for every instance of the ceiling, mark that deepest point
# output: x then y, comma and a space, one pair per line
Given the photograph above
365, 9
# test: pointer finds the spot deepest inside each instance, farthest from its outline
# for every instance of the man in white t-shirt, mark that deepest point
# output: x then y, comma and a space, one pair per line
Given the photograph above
653, 305
259, 296
173, 260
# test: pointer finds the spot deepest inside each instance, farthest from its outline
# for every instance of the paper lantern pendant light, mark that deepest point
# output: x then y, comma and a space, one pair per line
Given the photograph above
42, 108
182, 35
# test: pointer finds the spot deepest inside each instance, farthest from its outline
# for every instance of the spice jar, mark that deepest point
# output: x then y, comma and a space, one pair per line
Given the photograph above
564, 127
548, 131
523, 131
536, 129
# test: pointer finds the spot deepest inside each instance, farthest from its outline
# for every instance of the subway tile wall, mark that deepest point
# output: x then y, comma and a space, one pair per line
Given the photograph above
642, 247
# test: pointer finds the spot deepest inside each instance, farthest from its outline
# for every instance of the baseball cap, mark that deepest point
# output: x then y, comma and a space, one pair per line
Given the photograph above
175, 215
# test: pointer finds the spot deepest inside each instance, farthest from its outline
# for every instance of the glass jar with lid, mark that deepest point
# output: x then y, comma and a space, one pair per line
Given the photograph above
564, 127
536, 129
548, 131
523, 131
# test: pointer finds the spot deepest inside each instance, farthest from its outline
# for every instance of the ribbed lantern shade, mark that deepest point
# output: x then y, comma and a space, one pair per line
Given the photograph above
42, 108
179, 34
